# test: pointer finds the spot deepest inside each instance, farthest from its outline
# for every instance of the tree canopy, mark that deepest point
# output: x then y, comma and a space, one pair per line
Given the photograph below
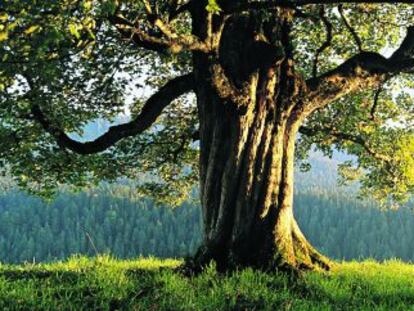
67, 63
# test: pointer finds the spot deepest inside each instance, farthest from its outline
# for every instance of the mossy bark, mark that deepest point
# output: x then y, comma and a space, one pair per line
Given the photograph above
249, 104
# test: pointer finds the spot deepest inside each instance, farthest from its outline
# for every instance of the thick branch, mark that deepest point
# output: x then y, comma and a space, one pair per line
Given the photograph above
138, 37
168, 40
364, 70
181, 42
234, 6
149, 113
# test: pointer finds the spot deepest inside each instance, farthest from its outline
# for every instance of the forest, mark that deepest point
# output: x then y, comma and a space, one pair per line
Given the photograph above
96, 222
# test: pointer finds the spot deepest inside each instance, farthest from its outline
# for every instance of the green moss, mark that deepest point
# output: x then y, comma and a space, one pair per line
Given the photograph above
104, 283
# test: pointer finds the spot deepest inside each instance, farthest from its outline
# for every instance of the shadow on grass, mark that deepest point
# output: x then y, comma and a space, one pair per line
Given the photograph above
65, 276
91, 289
164, 289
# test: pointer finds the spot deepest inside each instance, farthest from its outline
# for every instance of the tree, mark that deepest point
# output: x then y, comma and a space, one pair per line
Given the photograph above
261, 72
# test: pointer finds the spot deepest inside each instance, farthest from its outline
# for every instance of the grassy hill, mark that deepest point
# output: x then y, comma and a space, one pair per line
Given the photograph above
150, 284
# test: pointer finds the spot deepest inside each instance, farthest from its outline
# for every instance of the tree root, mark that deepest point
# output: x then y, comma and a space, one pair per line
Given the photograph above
297, 256
307, 256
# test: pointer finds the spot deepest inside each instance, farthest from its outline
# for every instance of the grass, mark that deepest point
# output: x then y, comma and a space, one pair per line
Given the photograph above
104, 283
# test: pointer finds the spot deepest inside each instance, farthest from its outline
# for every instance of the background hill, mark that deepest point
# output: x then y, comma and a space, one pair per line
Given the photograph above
89, 223
97, 222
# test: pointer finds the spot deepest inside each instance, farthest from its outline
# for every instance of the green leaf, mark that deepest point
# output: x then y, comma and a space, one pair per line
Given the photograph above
3, 17
213, 7
3, 36
73, 29
87, 5
31, 29
109, 7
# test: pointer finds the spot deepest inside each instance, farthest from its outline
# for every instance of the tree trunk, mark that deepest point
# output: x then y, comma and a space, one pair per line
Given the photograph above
248, 99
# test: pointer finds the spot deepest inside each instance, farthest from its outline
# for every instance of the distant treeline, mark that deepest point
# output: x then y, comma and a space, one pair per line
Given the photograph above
343, 227
96, 222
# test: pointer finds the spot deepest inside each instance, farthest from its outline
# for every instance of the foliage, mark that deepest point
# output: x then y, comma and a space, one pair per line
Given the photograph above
213, 7
71, 60
372, 124
64, 56
103, 283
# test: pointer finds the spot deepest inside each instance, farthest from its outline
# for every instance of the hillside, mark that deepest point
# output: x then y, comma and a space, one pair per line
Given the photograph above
97, 222
340, 226
151, 284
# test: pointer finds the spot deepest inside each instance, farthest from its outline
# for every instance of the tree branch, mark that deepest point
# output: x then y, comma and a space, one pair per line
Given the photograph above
377, 94
327, 43
149, 113
237, 6
341, 136
176, 9
375, 104
364, 70
128, 31
354, 34
168, 39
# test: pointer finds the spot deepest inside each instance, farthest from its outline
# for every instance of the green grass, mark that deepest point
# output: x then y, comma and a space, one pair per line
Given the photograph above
150, 284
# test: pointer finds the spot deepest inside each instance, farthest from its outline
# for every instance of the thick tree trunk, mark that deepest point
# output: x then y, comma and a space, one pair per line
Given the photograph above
249, 119
247, 192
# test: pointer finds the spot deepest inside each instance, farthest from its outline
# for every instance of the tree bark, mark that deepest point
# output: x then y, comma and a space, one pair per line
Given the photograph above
248, 100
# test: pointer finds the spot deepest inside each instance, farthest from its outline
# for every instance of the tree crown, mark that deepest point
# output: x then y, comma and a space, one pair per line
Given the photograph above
67, 63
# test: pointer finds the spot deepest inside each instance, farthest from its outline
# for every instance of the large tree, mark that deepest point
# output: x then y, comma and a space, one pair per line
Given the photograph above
268, 76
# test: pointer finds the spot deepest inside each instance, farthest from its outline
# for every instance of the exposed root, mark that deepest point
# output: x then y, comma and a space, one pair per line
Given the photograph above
292, 255
188, 268
193, 266
205, 255
307, 256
